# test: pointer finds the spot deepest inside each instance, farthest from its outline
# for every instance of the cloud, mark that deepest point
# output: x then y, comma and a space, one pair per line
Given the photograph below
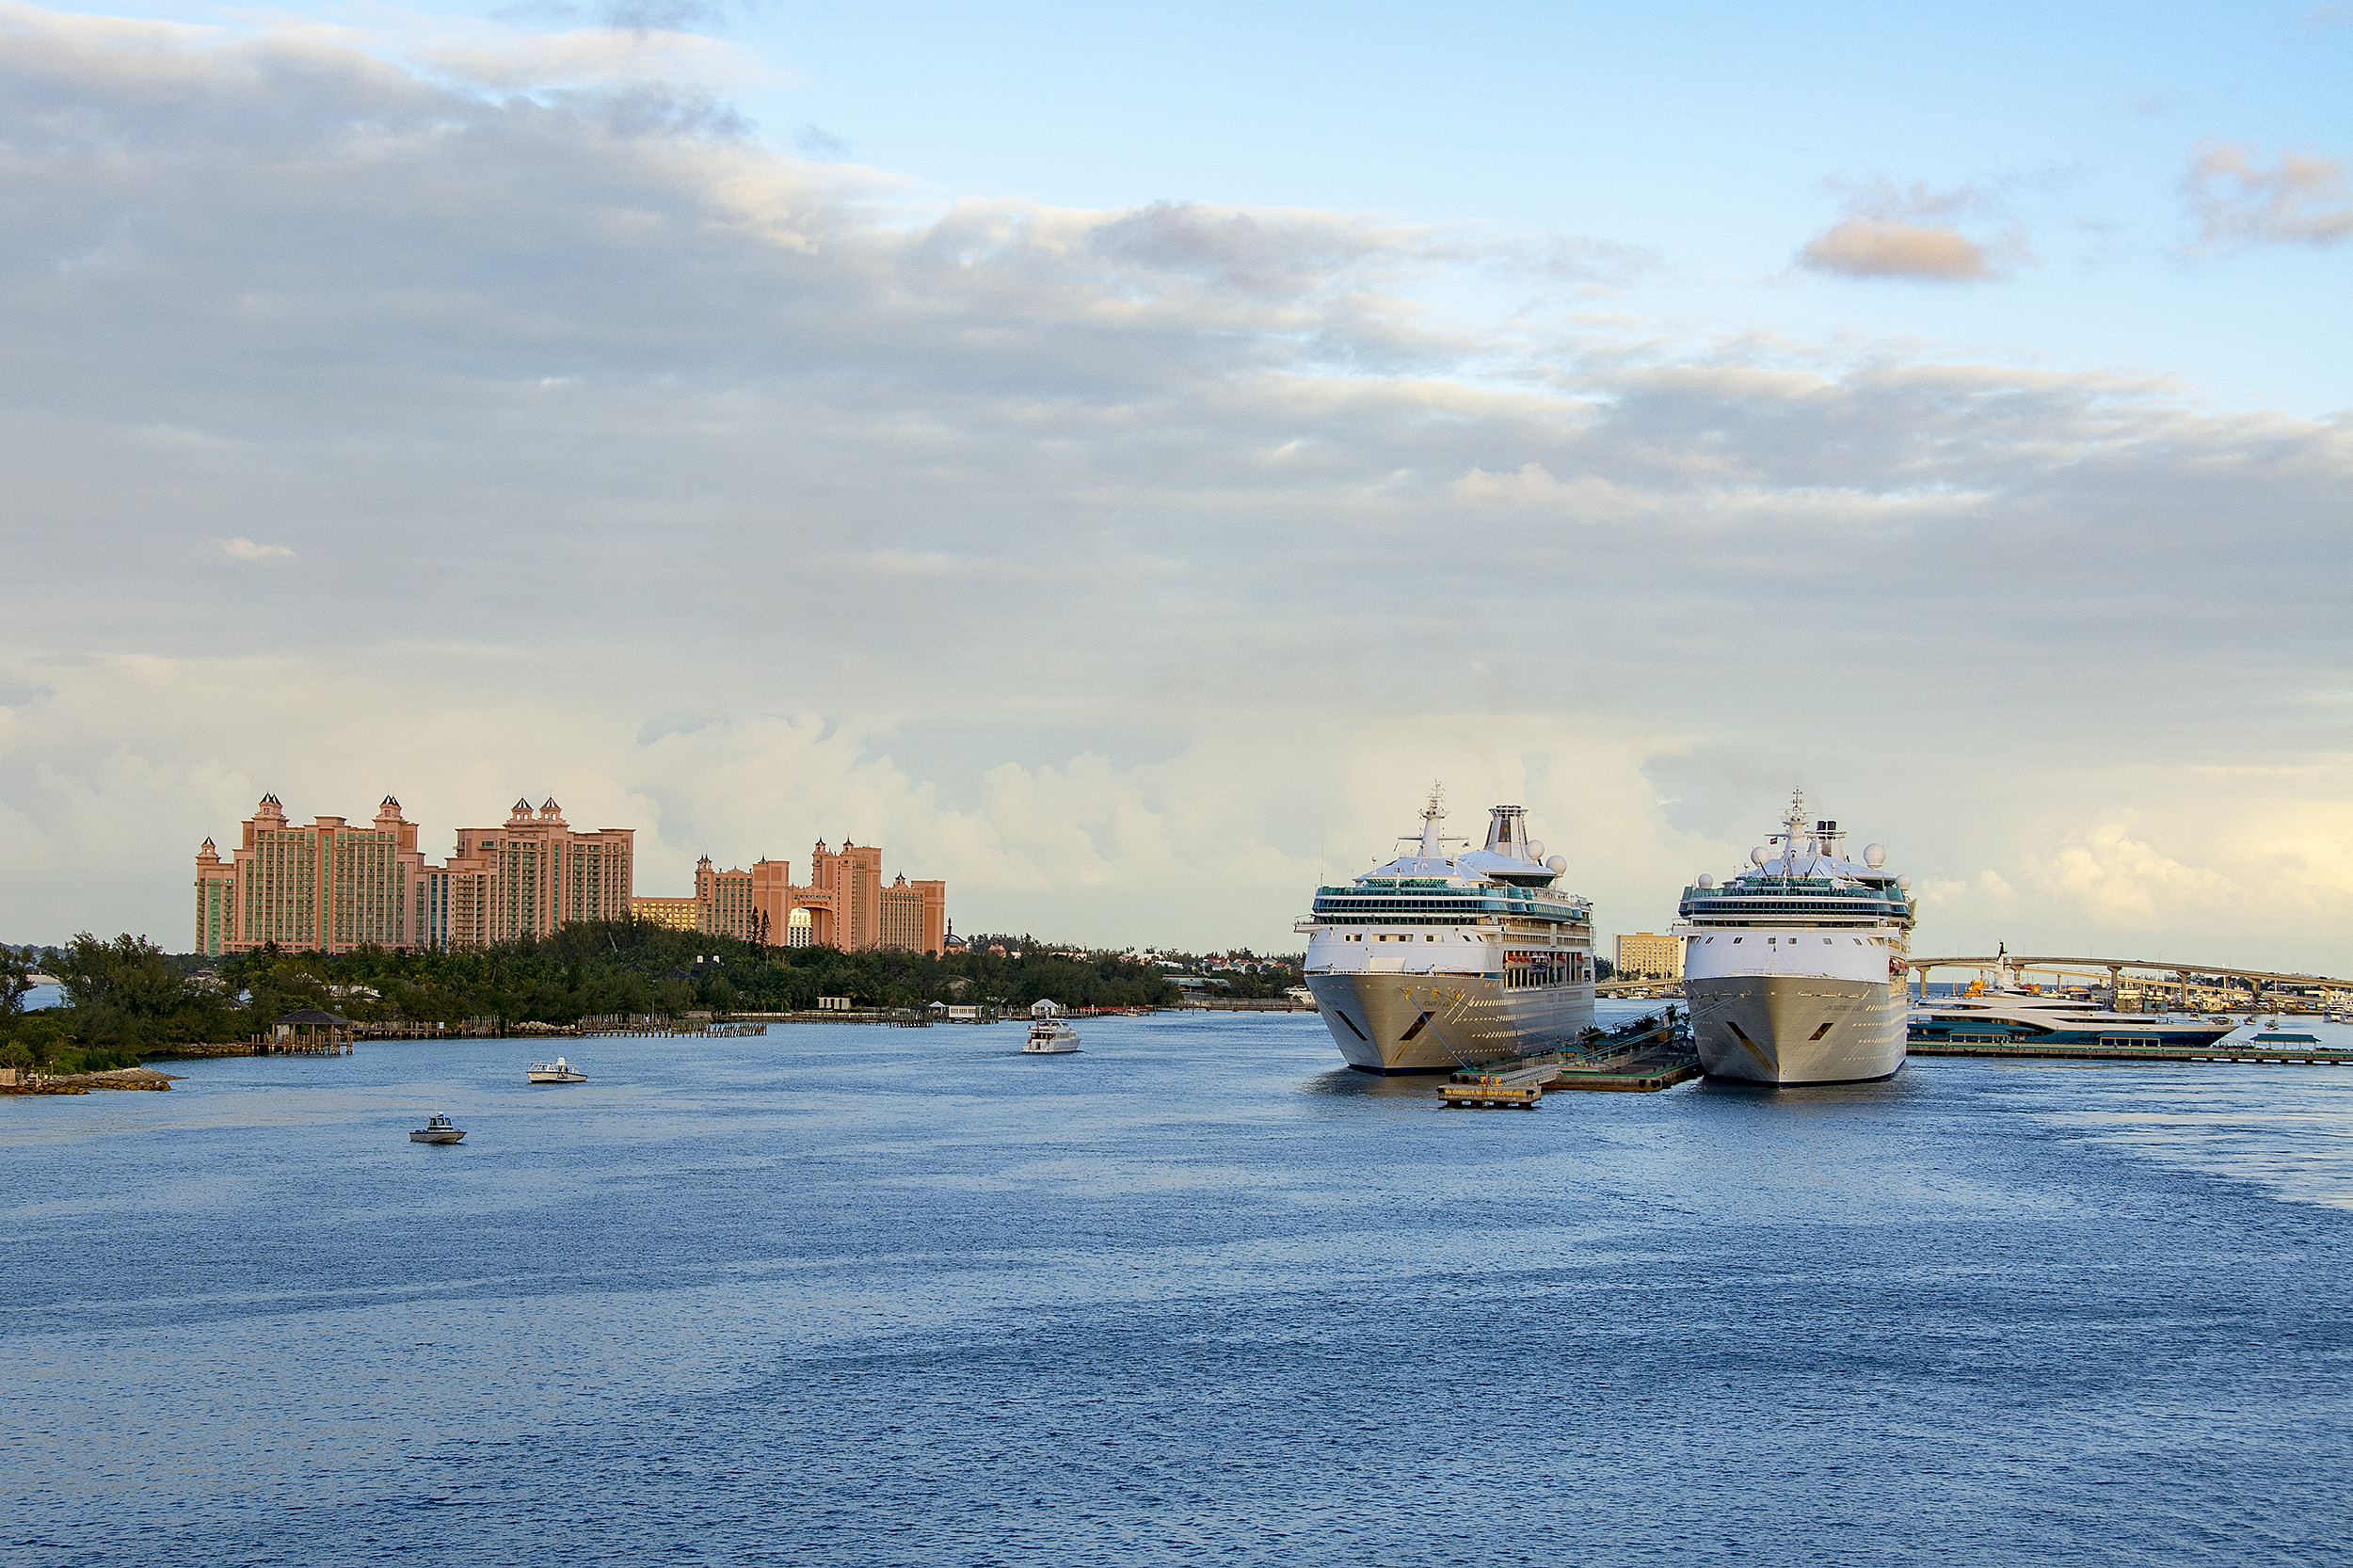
1118, 564
1886, 248
1882, 237
2298, 199
245, 550
818, 142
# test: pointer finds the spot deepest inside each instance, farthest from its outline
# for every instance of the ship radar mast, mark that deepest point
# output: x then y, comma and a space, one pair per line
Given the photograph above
1431, 815
1431, 843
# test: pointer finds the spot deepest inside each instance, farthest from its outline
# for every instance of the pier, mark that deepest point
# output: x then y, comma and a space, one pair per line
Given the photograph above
1642, 1058
2300, 1050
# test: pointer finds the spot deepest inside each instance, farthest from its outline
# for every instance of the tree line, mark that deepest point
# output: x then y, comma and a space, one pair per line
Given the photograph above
128, 996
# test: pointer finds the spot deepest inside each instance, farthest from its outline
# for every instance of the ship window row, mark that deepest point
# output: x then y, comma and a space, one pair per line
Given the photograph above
1396, 919
1770, 907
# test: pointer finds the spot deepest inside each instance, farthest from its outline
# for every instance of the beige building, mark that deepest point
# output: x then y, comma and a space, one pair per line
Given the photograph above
1647, 955
844, 905
679, 914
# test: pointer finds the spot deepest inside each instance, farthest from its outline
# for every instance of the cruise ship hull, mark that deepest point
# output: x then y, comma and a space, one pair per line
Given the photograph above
1797, 1029
1441, 1023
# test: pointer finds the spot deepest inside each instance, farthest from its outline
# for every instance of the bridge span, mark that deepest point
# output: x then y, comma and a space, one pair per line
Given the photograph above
2191, 981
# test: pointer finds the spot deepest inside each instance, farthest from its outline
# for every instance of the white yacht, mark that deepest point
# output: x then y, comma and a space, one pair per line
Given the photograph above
1050, 1036
557, 1071
2010, 1015
1441, 960
1794, 969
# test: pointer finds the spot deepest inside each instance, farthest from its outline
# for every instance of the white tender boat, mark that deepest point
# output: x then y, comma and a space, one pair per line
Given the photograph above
557, 1071
437, 1130
1050, 1037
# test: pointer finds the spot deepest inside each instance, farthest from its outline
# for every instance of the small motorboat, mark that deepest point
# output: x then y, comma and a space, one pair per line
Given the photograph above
440, 1130
1050, 1037
557, 1071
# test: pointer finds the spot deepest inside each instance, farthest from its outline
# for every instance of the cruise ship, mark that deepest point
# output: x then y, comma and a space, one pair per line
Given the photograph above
1443, 960
1794, 969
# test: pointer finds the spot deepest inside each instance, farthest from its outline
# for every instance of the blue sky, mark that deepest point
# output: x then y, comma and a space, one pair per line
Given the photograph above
1719, 138
1116, 459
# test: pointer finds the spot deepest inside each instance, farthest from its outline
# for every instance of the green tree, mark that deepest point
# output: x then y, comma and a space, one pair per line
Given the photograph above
16, 972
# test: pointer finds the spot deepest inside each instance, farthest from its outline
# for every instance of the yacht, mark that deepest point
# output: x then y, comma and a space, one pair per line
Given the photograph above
1445, 958
1793, 970
437, 1130
1050, 1036
557, 1071
2006, 1014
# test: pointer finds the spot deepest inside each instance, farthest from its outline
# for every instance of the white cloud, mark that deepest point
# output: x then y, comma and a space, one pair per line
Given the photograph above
245, 550
2299, 199
1106, 563
1890, 247
1887, 233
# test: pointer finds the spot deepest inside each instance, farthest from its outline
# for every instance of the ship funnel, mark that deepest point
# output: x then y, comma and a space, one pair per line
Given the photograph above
1507, 831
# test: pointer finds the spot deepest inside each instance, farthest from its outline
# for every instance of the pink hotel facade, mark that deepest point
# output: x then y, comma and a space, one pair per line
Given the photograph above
333, 884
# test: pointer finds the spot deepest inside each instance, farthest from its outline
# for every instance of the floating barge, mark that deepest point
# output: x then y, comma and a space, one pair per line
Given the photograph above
1636, 1061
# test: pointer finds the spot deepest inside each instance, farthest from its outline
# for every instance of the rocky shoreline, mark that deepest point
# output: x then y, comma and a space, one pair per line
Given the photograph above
82, 1083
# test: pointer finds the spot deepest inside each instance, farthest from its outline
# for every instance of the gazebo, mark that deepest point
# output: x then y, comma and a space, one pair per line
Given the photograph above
309, 1029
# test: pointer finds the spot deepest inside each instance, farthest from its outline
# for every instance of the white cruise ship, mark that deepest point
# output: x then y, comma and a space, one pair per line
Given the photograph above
1794, 969
1439, 961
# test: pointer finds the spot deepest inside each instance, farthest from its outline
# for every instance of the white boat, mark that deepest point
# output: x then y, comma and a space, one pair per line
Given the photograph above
1050, 1037
1793, 970
557, 1071
2004, 1016
1439, 961
437, 1130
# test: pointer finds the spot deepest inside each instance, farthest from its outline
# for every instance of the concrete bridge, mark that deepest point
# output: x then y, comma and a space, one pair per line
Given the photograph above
2161, 976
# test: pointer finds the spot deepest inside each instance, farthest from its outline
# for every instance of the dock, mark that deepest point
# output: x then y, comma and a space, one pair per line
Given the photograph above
2300, 1050
1635, 1060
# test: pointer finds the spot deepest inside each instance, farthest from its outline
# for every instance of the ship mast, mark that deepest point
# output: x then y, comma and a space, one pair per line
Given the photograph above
1791, 825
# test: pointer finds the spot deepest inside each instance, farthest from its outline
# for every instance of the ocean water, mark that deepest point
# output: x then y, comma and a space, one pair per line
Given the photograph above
1196, 1295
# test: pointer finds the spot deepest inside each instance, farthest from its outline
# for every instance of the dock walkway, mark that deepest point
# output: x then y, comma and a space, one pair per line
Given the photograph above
2280, 1053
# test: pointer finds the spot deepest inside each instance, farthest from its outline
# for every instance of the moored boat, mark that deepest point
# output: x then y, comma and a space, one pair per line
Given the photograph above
557, 1071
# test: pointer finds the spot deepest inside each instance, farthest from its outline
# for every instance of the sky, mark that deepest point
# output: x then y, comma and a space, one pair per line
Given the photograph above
1117, 459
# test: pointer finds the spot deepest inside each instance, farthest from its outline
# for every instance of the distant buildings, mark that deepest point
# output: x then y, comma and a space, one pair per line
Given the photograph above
333, 886
524, 879
844, 905
1647, 955
679, 914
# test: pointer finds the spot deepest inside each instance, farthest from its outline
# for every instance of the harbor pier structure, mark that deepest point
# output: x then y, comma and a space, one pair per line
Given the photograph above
2163, 984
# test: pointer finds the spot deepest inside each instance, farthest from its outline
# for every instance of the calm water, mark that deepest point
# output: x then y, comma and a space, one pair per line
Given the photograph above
860, 1295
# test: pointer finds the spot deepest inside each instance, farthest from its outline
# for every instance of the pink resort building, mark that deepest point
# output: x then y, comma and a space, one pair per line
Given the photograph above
332, 886
844, 905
